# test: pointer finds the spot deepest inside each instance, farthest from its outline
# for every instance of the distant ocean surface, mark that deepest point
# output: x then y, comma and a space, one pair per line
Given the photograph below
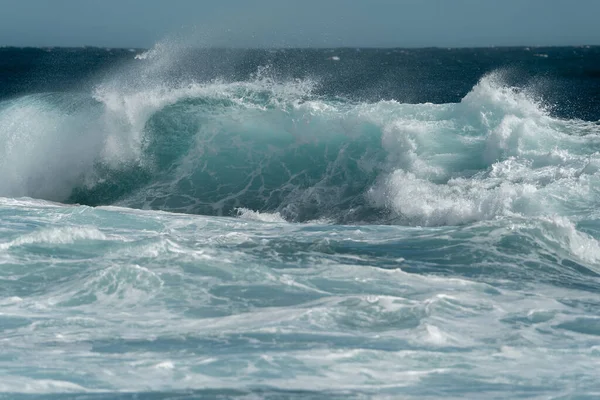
309, 223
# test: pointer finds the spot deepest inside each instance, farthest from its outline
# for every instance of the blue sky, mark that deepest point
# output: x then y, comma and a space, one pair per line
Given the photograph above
312, 23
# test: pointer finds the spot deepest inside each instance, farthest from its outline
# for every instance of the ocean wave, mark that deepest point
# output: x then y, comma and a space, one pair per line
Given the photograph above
277, 148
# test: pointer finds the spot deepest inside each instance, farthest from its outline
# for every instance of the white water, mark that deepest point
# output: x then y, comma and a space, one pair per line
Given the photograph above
110, 300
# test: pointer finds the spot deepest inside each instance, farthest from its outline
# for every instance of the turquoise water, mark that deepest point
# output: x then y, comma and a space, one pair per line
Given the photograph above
264, 238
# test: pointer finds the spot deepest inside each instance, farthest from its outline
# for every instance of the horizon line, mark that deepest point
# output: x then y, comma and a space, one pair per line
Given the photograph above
129, 48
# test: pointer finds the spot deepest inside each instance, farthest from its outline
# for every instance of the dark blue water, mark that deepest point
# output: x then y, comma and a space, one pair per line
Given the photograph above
567, 78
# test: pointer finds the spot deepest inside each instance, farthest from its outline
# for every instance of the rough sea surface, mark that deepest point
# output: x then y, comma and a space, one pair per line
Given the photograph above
273, 224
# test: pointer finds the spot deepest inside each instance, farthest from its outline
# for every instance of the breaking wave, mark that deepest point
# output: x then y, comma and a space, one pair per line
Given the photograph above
274, 146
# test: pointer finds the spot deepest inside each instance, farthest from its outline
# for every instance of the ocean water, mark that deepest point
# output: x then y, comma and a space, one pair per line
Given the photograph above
332, 223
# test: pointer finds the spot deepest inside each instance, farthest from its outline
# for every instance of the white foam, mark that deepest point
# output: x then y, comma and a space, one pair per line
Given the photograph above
244, 213
435, 335
44, 151
166, 365
62, 235
438, 154
421, 202
17, 384
562, 231
120, 286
